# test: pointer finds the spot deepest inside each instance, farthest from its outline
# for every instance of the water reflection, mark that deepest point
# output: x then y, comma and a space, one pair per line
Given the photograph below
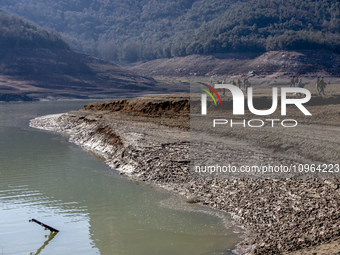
98, 211
50, 237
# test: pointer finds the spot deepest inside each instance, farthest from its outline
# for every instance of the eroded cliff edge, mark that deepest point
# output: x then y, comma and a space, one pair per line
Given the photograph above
148, 139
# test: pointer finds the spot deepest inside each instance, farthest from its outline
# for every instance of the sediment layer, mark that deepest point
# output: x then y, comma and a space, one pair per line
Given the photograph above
148, 139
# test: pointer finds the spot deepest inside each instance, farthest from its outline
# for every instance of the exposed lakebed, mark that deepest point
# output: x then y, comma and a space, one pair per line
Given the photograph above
148, 139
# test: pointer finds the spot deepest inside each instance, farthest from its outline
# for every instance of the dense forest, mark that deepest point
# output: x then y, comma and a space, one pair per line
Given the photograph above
133, 30
15, 32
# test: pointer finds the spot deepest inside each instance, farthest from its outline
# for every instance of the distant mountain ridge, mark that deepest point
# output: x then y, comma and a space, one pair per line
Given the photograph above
135, 30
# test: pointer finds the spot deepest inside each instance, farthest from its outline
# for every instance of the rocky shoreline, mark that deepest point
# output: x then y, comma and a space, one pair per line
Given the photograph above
149, 138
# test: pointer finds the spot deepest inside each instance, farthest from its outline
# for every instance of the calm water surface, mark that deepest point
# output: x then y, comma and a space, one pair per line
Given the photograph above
97, 211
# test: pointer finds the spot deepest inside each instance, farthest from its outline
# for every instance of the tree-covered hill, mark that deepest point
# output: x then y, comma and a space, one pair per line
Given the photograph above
134, 30
35, 64
272, 25
15, 32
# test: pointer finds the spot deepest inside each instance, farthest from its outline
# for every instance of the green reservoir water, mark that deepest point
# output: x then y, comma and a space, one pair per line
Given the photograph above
97, 211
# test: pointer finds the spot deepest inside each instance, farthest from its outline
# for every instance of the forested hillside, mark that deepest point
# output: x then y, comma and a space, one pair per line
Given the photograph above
134, 30
35, 63
15, 32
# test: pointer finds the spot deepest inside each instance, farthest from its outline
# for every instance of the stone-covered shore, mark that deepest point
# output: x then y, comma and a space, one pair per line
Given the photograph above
148, 139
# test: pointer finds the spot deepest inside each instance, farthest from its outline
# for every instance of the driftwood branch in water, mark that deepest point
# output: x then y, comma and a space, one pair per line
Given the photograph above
44, 225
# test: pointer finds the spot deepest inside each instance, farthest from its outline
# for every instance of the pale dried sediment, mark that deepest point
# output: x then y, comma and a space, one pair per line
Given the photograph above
281, 215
